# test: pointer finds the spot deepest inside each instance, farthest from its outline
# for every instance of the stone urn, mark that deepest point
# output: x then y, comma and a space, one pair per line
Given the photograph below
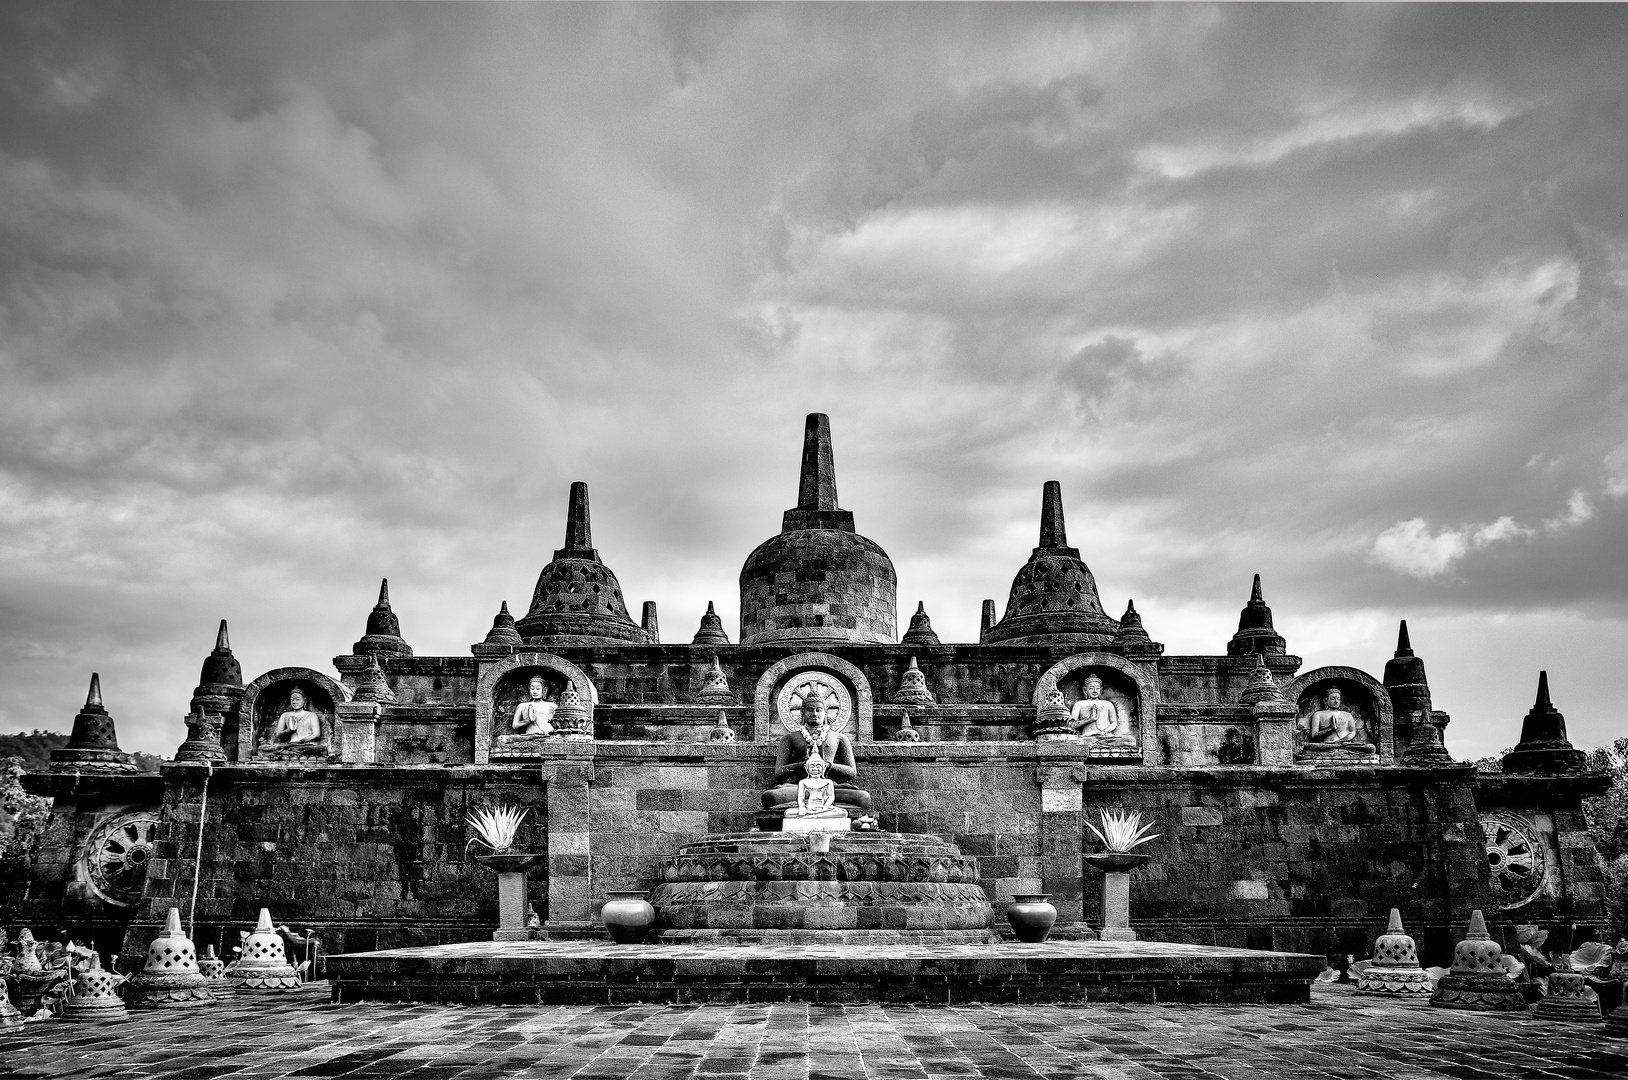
627, 915
1116, 867
511, 867
1032, 916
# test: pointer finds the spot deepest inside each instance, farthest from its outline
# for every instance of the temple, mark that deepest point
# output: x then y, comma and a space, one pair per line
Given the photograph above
1296, 808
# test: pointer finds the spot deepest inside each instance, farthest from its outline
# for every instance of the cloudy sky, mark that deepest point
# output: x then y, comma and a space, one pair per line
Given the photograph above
293, 297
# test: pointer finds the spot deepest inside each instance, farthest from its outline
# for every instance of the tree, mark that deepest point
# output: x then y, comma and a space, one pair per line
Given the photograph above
1607, 818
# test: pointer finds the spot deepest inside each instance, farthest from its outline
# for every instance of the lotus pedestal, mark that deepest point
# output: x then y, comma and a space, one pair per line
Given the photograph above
1116, 867
511, 893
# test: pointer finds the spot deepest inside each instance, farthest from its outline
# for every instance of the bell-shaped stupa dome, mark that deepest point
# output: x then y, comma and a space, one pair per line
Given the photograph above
1054, 597
819, 582
578, 600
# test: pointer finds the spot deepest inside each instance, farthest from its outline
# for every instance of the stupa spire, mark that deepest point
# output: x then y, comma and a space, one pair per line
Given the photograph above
817, 483
579, 536
1404, 647
986, 619
1053, 533
93, 696
222, 643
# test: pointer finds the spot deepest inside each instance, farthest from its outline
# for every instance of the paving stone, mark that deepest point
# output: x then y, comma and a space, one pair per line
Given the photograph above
1337, 1035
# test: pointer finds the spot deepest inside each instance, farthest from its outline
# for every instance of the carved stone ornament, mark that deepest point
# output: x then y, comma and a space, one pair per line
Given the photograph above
1517, 857
839, 704
116, 856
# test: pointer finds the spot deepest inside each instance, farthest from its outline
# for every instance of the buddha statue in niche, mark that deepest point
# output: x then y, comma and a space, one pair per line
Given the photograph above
1334, 727
297, 726
1098, 717
534, 715
814, 739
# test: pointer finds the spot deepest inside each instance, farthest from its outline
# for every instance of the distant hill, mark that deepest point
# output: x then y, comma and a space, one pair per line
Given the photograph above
35, 748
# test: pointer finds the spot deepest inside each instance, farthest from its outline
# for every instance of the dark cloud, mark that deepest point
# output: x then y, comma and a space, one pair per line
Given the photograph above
293, 297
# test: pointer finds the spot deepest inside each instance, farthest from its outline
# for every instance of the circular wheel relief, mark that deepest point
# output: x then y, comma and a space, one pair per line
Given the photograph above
1517, 858
116, 857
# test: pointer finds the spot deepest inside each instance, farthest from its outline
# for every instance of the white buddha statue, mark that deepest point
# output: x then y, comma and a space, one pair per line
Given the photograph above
816, 809
535, 713
1334, 727
297, 724
1098, 717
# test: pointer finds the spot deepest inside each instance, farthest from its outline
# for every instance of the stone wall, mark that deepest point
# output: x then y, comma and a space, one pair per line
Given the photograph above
369, 858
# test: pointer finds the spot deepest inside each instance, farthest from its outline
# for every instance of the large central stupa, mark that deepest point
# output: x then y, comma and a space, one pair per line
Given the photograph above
819, 581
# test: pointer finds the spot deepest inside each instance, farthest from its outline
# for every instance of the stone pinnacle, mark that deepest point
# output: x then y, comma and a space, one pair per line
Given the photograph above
263, 926
817, 482
1404, 647
578, 531
1255, 592
384, 595
1478, 927
221, 643
1541, 705
93, 699
1052, 531
1395, 926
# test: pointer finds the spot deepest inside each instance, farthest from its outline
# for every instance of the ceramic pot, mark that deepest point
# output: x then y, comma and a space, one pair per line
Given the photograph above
1116, 862
1032, 916
627, 915
510, 862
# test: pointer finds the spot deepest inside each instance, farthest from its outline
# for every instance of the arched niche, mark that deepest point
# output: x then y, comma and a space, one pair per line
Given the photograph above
1361, 695
1126, 683
766, 724
506, 679
268, 697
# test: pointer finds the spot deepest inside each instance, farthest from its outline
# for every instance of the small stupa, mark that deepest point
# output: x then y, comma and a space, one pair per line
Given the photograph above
1570, 999
721, 732
1132, 637
1395, 968
1262, 695
93, 747
383, 636
220, 687
212, 966
503, 631
907, 731
1052, 722
1478, 980
94, 998
1255, 633
715, 687
913, 687
571, 718
170, 979
372, 685
1544, 747
711, 632
921, 631
263, 965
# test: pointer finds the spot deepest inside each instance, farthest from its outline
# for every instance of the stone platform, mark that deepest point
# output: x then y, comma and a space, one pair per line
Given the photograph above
759, 886
602, 973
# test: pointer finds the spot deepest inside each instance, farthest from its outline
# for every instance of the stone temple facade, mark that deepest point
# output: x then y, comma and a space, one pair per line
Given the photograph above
1295, 808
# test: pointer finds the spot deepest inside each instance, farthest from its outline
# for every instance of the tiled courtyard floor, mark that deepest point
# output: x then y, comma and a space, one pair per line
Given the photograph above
1338, 1035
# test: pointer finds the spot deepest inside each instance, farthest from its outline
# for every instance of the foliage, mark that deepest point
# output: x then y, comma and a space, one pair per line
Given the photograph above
1607, 818
1122, 832
496, 827
23, 819
34, 748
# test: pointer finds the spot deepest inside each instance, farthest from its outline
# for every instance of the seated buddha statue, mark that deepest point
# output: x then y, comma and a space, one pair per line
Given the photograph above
815, 739
297, 730
1334, 727
816, 800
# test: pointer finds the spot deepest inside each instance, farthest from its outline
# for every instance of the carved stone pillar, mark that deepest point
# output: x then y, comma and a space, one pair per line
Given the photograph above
1061, 828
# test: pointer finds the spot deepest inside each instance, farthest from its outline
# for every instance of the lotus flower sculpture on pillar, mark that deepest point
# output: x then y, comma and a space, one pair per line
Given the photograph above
1120, 833
496, 829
